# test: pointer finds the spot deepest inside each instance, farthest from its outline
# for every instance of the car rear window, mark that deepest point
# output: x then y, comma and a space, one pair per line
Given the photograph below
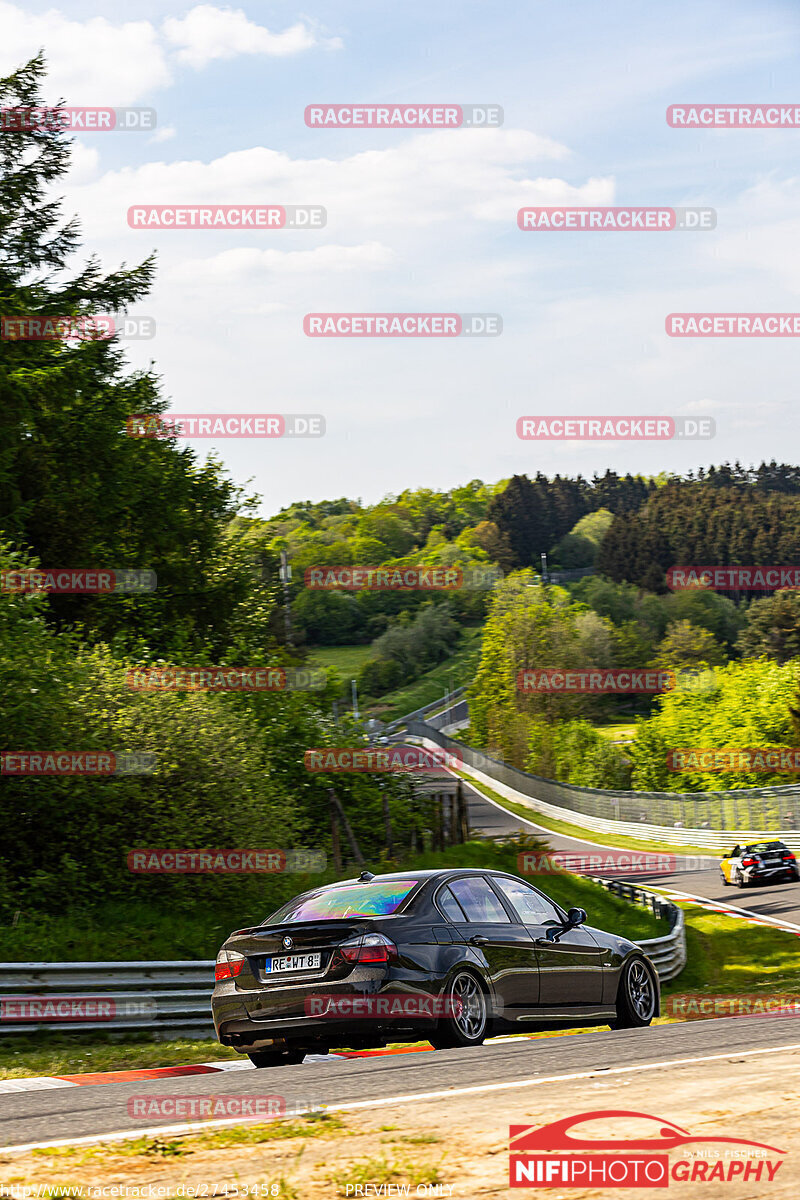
356, 900
765, 847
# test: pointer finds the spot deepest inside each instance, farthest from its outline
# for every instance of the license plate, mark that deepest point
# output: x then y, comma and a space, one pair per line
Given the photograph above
292, 962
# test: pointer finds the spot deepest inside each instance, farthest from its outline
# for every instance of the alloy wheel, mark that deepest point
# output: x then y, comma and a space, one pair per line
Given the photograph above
641, 992
469, 1007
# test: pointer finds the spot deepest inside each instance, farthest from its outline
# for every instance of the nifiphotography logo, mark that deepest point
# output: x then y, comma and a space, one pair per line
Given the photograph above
631, 1149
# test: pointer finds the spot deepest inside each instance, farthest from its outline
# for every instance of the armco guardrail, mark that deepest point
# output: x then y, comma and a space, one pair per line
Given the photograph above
434, 706
668, 953
450, 718
166, 998
712, 820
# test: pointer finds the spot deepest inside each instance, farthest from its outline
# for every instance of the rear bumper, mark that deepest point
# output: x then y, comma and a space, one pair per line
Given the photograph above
258, 1018
765, 874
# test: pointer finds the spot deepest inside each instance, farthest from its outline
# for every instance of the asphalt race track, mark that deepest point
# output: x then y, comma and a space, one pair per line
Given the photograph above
85, 1112
777, 901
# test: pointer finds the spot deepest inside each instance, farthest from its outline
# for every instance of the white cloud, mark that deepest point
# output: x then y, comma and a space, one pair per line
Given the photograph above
426, 180
98, 62
84, 164
207, 33
89, 62
165, 134
755, 240
245, 263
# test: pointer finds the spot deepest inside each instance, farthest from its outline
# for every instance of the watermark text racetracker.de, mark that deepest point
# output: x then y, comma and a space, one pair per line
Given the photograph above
74, 1009
402, 324
599, 680
335, 1006
732, 325
227, 216
614, 428
225, 862
699, 1006
78, 120
152, 1106
99, 763
602, 681
733, 758
606, 862
75, 581
403, 116
46, 327
226, 425
401, 578
731, 579
371, 759
616, 219
226, 679
734, 116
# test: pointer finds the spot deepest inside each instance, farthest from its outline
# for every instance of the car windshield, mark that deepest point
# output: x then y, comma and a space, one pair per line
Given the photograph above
378, 899
764, 847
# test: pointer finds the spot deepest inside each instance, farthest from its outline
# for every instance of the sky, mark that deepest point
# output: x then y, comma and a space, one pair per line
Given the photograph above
426, 221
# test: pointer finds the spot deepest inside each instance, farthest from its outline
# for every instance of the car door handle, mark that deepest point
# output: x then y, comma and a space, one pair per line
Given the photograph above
478, 939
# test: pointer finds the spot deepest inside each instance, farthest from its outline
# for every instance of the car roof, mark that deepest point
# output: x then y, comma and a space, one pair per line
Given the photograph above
427, 873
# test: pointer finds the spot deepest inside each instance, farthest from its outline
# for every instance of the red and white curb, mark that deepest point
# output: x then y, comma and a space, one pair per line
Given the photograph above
729, 910
45, 1082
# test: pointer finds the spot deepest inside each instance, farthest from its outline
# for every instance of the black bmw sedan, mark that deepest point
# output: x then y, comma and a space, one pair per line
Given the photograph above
448, 955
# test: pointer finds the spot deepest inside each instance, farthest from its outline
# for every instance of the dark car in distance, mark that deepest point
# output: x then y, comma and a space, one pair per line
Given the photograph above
448, 955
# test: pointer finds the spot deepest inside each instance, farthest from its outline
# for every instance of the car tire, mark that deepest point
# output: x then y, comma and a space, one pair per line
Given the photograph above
737, 879
636, 995
725, 882
468, 1023
276, 1058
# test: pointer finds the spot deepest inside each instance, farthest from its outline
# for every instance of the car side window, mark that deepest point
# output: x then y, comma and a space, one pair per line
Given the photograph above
479, 901
450, 906
533, 908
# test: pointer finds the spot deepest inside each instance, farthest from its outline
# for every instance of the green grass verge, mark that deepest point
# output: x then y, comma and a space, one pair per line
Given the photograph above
78, 1054
456, 671
618, 732
570, 830
149, 930
734, 956
347, 660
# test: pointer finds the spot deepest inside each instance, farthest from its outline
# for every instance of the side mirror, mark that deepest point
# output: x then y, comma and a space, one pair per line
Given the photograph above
575, 916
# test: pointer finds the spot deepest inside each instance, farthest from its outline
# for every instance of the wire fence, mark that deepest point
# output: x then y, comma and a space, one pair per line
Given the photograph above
768, 810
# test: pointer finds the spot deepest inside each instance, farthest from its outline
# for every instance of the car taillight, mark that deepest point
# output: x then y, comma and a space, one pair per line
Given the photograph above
789, 858
228, 964
749, 862
371, 948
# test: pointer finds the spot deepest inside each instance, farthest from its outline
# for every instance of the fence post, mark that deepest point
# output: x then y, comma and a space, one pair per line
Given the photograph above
336, 849
387, 823
351, 837
463, 813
